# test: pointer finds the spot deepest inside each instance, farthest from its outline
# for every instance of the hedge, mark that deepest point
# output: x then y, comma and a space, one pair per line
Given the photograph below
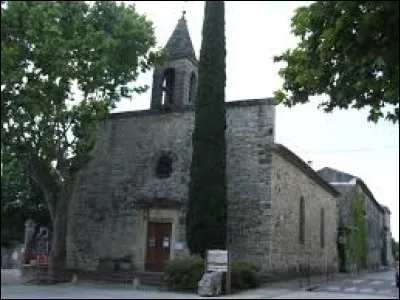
185, 274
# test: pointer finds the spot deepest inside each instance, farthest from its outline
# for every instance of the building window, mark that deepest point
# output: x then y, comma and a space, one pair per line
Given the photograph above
168, 88
322, 228
193, 88
164, 167
302, 227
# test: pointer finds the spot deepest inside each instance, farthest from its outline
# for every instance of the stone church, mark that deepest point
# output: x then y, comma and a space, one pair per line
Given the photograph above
130, 201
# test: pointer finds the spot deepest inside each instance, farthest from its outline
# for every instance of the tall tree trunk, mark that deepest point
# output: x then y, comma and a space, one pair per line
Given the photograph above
57, 271
57, 193
58, 267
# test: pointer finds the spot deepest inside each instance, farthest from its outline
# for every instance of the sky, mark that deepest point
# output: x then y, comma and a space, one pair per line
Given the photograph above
255, 32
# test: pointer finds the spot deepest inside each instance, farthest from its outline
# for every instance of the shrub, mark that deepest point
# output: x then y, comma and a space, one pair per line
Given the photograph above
244, 275
185, 274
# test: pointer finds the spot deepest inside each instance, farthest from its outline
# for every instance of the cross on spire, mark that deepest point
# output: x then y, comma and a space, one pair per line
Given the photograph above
180, 44
184, 5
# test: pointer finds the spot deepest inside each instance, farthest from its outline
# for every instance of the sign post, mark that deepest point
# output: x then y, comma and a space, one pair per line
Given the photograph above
228, 275
219, 261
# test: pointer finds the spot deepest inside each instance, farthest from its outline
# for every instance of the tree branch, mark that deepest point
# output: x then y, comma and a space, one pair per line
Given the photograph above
41, 174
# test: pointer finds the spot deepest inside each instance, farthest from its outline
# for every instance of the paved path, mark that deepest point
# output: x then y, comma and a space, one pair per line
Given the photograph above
371, 286
12, 287
380, 284
328, 295
86, 291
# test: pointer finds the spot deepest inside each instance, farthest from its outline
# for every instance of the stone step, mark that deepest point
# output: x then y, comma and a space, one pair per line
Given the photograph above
120, 276
150, 278
145, 278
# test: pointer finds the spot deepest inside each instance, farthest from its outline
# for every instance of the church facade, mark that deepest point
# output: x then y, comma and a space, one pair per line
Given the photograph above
129, 204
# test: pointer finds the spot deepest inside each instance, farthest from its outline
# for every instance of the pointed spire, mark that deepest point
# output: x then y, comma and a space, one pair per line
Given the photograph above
180, 44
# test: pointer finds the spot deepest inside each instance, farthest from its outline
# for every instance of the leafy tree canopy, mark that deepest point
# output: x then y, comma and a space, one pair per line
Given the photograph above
348, 50
21, 198
64, 65
51, 51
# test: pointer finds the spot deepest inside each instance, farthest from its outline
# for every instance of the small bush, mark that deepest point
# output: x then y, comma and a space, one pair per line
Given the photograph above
244, 275
185, 274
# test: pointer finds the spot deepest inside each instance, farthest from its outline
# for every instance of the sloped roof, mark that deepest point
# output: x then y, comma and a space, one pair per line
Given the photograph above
332, 175
387, 209
358, 181
180, 44
303, 166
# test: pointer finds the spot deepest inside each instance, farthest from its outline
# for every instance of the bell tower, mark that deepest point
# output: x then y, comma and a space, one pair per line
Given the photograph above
175, 82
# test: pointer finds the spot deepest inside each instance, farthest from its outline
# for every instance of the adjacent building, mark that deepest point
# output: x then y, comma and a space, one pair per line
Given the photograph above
388, 258
348, 184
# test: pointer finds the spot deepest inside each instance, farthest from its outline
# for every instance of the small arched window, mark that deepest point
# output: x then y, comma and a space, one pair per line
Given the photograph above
302, 228
193, 88
322, 228
164, 167
168, 88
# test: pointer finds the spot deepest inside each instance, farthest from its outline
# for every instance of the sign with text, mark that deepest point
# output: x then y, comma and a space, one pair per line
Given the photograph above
217, 260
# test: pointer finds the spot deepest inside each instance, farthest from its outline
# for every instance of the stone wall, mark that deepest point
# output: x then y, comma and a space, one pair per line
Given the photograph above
375, 232
374, 222
348, 193
183, 70
114, 195
250, 135
387, 237
118, 192
287, 253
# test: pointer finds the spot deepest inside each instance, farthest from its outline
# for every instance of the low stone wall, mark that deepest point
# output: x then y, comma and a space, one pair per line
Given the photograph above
34, 272
12, 257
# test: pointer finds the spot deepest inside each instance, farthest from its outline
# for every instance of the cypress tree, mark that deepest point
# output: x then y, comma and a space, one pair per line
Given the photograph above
207, 208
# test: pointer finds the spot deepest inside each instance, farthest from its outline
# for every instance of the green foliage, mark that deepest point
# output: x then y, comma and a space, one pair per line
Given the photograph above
21, 199
342, 248
185, 274
244, 275
50, 53
207, 207
348, 50
46, 49
357, 238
